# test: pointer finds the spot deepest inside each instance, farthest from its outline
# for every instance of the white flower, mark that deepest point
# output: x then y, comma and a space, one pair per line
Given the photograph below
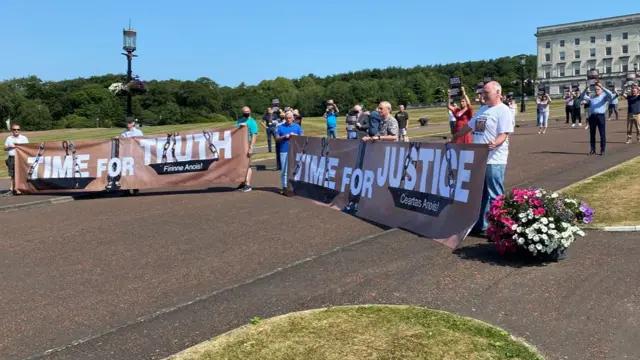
538, 193
520, 241
554, 195
536, 238
519, 229
580, 233
552, 226
544, 229
529, 236
514, 227
565, 225
544, 221
532, 248
539, 246
522, 215
530, 216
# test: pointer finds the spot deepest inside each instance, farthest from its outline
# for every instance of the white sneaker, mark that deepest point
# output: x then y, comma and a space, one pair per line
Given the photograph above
580, 124
573, 125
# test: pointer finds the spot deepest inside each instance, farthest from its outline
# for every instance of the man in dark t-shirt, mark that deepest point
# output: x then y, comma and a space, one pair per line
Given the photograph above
403, 121
633, 117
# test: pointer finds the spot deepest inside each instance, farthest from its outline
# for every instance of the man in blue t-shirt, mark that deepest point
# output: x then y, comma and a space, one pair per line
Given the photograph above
331, 113
252, 127
284, 133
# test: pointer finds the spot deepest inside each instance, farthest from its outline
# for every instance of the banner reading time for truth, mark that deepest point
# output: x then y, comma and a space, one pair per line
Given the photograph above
207, 157
430, 189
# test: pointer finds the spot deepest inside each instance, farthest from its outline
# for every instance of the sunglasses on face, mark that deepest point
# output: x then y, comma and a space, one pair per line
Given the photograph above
15, 129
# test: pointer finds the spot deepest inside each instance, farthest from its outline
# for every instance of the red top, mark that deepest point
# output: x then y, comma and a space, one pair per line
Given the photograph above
461, 115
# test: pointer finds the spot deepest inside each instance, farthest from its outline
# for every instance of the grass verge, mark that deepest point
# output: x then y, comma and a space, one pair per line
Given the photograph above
612, 194
363, 332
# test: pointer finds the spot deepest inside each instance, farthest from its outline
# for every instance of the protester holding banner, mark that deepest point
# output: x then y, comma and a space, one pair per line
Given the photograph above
285, 131
132, 130
462, 115
10, 148
389, 130
491, 125
252, 127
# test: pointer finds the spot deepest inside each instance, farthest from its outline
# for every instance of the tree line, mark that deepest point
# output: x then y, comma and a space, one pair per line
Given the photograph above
87, 102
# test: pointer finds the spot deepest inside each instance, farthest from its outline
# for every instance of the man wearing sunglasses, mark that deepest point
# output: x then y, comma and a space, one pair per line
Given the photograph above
10, 148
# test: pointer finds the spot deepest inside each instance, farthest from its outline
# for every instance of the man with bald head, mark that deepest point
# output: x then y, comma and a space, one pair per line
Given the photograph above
491, 125
252, 127
388, 130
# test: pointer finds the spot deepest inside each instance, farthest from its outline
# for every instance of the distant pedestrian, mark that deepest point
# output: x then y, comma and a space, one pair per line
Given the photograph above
389, 130
252, 128
597, 107
285, 132
613, 105
491, 125
462, 116
297, 117
10, 148
633, 115
352, 122
543, 102
577, 111
452, 119
403, 122
269, 124
568, 109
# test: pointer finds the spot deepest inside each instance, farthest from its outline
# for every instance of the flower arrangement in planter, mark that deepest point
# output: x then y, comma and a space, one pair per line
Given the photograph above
135, 86
536, 222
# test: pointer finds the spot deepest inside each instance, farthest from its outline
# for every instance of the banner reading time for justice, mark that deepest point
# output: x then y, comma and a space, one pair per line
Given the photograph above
431, 189
208, 157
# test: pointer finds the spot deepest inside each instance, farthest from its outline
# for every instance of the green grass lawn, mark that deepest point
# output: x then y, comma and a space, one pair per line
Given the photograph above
613, 194
314, 126
363, 332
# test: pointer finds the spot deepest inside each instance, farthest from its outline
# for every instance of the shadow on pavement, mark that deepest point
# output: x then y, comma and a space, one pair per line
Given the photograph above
487, 254
561, 153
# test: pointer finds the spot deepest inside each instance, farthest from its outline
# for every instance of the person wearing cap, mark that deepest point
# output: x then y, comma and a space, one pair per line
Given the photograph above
132, 130
10, 148
597, 110
331, 114
252, 127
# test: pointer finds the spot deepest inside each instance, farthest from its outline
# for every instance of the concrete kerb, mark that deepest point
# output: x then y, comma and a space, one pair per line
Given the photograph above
31, 204
627, 228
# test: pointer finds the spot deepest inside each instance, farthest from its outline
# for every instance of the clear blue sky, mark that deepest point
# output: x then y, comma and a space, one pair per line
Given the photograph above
241, 40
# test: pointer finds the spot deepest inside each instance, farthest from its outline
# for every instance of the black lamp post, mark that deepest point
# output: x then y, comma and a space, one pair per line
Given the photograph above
129, 45
635, 69
523, 62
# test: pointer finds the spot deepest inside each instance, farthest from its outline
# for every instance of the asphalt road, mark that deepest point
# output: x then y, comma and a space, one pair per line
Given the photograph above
143, 277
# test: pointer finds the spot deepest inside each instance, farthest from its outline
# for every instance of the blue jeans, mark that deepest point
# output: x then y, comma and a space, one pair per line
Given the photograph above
284, 161
543, 118
493, 187
352, 135
331, 132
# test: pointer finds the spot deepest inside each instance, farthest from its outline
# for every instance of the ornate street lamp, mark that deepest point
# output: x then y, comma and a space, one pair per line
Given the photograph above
129, 45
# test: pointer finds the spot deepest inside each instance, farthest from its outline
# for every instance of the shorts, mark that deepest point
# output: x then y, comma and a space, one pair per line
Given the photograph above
11, 164
403, 132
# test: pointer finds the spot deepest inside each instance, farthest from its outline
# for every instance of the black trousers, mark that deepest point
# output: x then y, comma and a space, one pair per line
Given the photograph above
577, 115
570, 115
599, 121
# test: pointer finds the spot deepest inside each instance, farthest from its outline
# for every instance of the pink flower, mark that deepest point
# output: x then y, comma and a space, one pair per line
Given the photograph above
539, 211
537, 203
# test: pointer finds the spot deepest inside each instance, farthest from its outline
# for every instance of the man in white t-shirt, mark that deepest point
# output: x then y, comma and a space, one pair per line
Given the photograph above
491, 125
10, 148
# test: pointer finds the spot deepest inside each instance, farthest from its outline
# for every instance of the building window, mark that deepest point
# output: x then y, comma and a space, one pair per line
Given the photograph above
547, 74
592, 39
576, 41
547, 57
625, 36
561, 71
592, 52
608, 51
561, 43
547, 45
625, 67
577, 54
625, 49
576, 69
608, 37
607, 67
561, 55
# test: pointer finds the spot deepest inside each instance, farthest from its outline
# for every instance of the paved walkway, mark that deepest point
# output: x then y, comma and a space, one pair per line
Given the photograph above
143, 277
